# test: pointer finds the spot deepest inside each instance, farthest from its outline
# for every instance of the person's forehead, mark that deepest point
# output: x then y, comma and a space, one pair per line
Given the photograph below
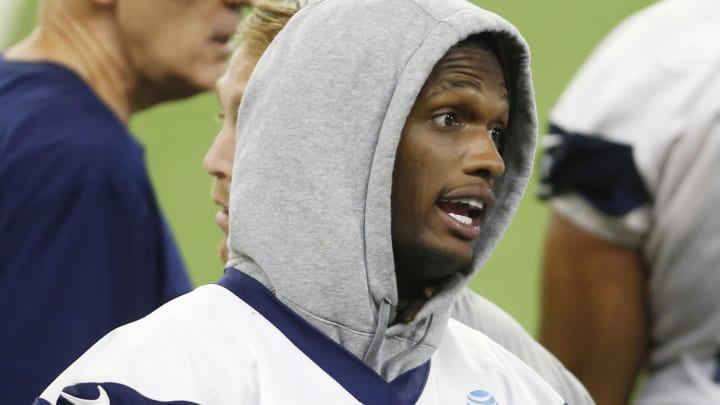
465, 67
471, 61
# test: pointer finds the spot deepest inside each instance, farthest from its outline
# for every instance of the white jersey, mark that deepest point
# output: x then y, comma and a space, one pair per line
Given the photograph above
632, 157
480, 314
213, 347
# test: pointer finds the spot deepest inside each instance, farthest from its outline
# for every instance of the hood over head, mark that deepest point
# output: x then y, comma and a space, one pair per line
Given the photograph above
317, 134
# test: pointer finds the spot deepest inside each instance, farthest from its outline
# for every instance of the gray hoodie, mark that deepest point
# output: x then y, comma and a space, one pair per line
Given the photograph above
317, 134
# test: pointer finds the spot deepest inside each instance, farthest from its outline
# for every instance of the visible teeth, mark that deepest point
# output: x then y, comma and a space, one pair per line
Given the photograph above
473, 202
461, 218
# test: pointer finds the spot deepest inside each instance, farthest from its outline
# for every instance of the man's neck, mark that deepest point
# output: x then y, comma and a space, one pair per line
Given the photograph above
90, 47
413, 296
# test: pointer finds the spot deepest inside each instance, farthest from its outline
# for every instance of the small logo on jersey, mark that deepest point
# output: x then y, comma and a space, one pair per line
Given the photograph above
102, 398
480, 397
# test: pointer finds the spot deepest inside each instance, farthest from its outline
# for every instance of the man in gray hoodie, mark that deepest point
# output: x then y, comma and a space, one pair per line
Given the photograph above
373, 141
255, 33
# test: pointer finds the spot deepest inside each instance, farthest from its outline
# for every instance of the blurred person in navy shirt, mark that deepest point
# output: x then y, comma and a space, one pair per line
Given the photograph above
84, 247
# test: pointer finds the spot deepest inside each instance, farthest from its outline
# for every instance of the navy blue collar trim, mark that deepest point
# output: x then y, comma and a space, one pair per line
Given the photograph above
353, 374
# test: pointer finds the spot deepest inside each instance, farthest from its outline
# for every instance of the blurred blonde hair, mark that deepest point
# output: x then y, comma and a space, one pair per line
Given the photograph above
263, 24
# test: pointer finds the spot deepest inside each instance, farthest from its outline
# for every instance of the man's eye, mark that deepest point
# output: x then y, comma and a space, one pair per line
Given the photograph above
498, 137
447, 119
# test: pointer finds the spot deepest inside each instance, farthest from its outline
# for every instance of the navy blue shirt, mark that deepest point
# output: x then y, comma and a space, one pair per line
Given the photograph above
83, 245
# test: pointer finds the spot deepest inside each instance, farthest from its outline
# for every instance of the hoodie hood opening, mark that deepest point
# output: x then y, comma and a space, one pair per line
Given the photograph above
317, 135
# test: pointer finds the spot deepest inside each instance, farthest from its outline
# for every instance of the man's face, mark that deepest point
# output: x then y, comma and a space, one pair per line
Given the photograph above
179, 47
446, 162
219, 158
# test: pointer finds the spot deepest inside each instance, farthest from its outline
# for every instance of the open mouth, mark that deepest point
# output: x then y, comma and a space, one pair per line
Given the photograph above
463, 216
222, 219
465, 211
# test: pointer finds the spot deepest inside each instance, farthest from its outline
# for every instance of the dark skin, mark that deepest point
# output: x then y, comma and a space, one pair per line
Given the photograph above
595, 315
447, 160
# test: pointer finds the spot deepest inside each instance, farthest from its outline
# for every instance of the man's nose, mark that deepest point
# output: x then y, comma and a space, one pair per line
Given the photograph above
219, 158
482, 157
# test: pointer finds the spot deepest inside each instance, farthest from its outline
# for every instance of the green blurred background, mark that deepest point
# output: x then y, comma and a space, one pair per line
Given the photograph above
561, 34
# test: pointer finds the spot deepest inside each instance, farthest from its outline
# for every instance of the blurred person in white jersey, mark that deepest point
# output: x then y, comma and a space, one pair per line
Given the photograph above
346, 252
255, 34
632, 267
84, 245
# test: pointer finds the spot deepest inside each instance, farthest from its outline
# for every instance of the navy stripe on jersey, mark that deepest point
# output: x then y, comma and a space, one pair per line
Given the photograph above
106, 393
601, 171
349, 371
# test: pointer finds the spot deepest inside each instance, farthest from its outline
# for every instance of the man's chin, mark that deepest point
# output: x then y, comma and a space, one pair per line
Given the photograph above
438, 264
202, 78
170, 88
454, 257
